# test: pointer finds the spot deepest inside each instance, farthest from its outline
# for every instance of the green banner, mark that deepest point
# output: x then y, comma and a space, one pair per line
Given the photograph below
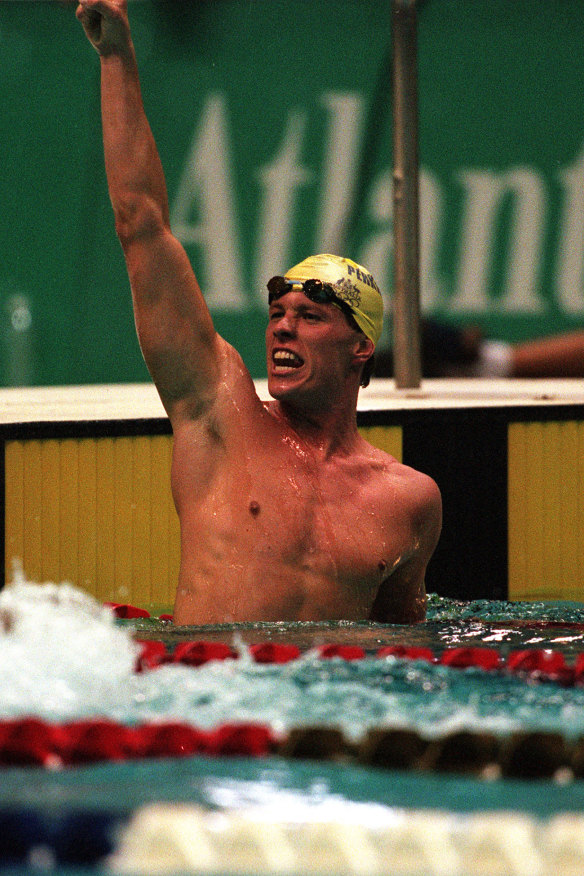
274, 121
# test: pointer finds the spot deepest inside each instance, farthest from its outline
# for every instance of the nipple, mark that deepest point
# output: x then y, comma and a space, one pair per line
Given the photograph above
254, 508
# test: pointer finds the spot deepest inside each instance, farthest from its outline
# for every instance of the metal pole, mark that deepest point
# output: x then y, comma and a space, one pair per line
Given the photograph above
406, 294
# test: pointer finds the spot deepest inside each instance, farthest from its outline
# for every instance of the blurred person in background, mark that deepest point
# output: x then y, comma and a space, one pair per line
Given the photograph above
450, 351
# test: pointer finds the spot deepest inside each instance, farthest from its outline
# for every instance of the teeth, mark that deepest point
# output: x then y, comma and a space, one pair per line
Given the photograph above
284, 357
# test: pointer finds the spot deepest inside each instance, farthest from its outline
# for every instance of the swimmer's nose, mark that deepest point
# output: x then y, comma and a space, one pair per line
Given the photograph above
285, 327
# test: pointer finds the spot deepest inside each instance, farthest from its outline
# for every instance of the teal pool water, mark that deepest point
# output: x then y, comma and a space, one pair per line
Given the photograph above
303, 787
449, 623
63, 658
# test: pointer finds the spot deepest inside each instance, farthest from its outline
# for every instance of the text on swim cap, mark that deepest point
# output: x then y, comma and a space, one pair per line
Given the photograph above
363, 277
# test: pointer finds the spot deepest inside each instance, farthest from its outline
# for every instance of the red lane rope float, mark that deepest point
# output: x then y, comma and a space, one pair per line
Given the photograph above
269, 652
530, 664
33, 742
30, 742
346, 652
125, 611
197, 653
462, 658
152, 654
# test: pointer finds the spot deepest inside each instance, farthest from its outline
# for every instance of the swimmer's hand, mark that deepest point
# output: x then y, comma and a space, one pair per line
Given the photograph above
105, 23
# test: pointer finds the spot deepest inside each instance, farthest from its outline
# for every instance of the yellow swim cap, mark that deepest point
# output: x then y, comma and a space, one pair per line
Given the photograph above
351, 282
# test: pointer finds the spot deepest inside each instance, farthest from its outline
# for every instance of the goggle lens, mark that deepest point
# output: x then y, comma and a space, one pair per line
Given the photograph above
316, 290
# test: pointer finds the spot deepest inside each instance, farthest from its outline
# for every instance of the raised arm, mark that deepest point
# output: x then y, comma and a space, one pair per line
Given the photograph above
176, 334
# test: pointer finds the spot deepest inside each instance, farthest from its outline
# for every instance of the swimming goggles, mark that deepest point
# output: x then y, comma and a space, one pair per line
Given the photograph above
315, 290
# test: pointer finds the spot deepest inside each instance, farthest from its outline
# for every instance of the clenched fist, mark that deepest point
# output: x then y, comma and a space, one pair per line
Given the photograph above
106, 24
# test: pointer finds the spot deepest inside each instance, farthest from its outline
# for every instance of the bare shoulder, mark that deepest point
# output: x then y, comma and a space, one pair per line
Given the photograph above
412, 485
410, 505
414, 495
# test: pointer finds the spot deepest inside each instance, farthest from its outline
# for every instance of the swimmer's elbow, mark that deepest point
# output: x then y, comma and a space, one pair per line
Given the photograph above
401, 599
418, 611
137, 218
402, 614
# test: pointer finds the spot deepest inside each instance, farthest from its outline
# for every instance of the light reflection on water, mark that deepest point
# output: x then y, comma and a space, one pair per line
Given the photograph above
433, 634
450, 623
62, 657
506, 637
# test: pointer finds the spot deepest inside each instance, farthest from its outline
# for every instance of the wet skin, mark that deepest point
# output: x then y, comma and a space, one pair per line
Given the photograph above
286, 513
282, 516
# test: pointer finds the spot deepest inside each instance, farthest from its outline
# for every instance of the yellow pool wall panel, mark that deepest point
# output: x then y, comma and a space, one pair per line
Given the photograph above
92, 505
96, 512
386, 438
546, 510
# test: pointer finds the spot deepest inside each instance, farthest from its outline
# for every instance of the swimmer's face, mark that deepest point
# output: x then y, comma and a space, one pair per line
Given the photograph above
310, 349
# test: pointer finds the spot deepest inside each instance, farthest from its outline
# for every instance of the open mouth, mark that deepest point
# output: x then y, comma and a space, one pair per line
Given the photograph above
286, 360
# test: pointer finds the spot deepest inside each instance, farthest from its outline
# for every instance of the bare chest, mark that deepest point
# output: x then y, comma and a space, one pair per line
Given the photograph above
321, 520
329, 528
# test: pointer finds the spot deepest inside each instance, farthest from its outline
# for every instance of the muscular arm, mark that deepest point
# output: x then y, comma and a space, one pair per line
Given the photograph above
401, 598
174, 326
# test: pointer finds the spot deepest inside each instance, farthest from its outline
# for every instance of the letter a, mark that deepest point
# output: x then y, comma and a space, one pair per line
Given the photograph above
205, 189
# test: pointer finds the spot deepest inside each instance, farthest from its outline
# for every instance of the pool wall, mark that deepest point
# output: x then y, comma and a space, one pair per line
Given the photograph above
84, 473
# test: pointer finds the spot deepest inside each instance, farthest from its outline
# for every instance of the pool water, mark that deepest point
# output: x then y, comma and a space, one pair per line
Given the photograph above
62, 657
65, 658
493, 623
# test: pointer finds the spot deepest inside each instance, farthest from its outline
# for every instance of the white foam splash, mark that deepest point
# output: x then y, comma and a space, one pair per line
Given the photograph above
64, 657
61, 654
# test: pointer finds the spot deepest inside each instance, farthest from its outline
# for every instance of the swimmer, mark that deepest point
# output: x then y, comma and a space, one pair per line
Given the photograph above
286, 512
453, 351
